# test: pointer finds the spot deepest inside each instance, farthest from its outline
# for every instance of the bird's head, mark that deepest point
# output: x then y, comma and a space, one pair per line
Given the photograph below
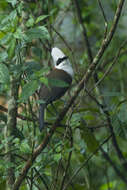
61, 61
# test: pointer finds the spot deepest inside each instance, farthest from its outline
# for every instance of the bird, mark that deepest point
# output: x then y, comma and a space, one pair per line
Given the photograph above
59, 80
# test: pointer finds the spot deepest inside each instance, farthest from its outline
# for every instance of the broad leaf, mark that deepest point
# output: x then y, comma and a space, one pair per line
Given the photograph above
4, 74
6, 39
58, 83
25, 148
3, 56
89, 138
11, 49
39, 32
19, 34
44, 80
41, 17
13, 2
30, 22
28, 90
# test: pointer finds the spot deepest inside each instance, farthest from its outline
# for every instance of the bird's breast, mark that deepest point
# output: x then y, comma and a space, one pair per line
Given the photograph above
58, 83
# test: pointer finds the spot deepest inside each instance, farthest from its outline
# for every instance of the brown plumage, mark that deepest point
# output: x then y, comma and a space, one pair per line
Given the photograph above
52, 92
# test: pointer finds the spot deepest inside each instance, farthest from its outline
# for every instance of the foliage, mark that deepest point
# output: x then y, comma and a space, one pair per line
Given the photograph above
89, 144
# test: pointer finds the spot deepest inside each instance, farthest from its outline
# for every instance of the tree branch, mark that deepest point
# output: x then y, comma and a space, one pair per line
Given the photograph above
2, 108
89, 52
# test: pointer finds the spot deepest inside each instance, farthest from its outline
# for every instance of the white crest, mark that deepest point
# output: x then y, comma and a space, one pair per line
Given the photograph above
56, 54
64, 65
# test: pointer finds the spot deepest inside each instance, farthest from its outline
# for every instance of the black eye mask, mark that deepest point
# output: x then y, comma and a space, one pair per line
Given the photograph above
60, 60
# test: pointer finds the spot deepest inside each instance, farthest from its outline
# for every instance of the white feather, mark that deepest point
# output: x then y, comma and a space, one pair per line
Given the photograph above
56, 54
64, 65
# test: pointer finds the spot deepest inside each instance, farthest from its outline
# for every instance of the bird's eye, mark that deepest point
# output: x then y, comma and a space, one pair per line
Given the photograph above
60, 60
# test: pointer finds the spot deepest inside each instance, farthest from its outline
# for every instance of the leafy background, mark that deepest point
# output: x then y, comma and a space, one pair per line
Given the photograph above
83, 154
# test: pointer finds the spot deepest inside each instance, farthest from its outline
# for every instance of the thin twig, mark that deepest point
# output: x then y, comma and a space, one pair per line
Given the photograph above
89, 52
42, 179
65, 42
111, 66
106, 22
70, 154
2, 108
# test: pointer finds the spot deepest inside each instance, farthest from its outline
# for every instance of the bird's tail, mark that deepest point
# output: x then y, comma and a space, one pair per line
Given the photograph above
41, 116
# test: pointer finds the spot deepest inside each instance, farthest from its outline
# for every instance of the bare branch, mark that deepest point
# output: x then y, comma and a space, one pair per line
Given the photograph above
106, 22
89, 52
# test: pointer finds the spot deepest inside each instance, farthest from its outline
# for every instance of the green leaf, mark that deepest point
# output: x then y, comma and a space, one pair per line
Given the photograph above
3, 5
40, 101
31, 68
57, 157
13, 2
19, 34
3, 56
39, 32
58, 83
2, 182
40, 18
47, 172
25, 148
1, 35
13, 14
6, 39
111, 185
44, 80
75, 119
28, 90
37, 53
80, 186
89, 138
30, 22
4, 74
9, 23
11, 49
122, 112
42, 71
